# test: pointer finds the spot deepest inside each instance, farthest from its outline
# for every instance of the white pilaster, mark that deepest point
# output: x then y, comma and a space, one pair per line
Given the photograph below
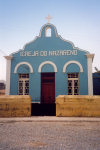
90, 80
8, 70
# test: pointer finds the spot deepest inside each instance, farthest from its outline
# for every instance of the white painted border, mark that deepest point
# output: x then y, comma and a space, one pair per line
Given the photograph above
36, 37
46, 31
56, 36
48, 25
72, 62
47, 62
8, 70
23, 63
61, 37
89, 68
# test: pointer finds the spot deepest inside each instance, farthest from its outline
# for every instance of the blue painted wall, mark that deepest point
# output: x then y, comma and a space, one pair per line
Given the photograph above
48, 44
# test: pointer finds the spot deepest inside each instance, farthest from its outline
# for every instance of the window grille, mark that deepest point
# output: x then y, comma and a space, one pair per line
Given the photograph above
23, 84
73, 84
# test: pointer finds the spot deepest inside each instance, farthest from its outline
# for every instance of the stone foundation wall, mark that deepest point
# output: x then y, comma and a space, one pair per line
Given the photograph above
15, 106
78, 106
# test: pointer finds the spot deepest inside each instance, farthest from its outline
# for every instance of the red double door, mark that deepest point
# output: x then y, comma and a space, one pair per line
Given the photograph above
48, 87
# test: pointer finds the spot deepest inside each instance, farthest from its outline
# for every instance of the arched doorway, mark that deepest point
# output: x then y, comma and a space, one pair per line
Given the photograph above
47, 82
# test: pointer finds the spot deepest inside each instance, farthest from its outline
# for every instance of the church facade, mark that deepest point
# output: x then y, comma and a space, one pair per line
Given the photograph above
49, 66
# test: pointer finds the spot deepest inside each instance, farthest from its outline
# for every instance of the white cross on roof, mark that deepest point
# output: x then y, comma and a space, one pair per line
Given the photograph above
48, 18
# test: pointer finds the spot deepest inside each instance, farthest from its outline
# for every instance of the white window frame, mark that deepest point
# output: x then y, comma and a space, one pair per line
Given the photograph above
23, 86
73, 79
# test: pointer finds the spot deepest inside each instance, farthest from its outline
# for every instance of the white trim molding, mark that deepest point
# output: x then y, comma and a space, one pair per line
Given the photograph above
23, 63
89, 67
47, 62
8, 70
72, 62
46, 31
48, 25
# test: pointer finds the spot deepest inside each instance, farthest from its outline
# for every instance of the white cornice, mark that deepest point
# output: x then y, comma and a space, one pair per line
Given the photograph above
90, 56
8, 57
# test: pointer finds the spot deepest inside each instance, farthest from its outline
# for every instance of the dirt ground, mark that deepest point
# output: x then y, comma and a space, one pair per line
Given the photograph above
53, 135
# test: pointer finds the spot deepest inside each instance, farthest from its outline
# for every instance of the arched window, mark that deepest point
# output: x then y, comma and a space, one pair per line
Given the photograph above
48, 32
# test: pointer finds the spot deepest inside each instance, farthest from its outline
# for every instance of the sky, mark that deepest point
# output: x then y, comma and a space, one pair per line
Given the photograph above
76, 20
